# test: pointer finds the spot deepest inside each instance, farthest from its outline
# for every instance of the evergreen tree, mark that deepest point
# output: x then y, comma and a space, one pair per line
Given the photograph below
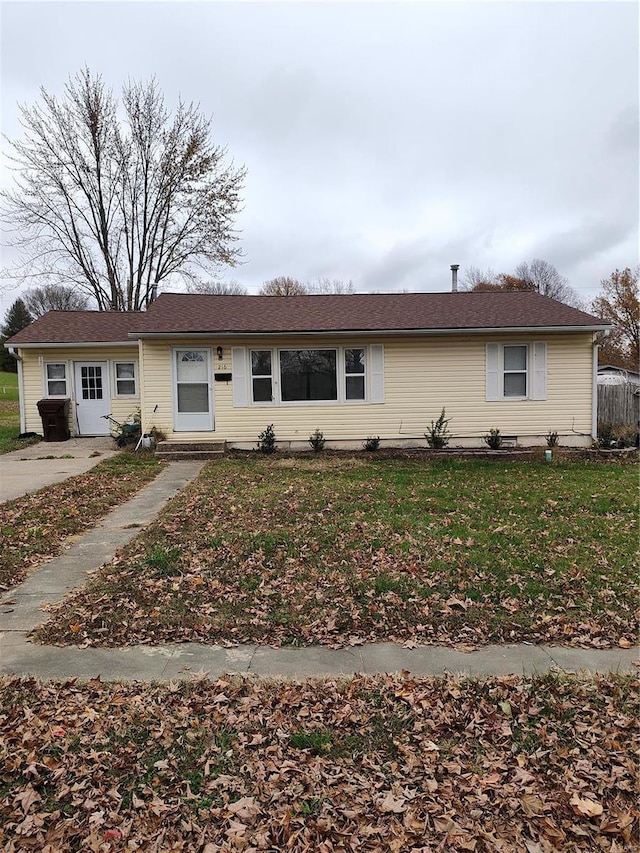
16, 318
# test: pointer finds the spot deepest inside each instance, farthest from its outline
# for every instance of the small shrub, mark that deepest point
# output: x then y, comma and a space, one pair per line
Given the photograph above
626, 436
493, 439
317, 441
371, 443
438, 436
551, 438
630, 437
606, 436
267, 440
158, 434
610, 436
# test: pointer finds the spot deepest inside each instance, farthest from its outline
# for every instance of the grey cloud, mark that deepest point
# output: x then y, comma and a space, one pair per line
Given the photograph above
384, 141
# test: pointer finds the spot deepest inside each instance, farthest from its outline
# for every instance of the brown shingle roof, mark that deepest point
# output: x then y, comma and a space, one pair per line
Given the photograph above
179, 313
175, 313
77, 327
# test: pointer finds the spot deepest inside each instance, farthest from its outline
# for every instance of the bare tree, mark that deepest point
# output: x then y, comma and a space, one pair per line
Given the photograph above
283, 285
53, 297
116, 200
539, 275
489, 281
545, 278
218, 288
475, 278
330, 286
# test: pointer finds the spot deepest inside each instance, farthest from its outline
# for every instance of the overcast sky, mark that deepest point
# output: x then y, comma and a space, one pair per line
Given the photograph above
383, 141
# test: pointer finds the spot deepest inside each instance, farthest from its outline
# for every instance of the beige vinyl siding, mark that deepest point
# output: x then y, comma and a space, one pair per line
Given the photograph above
33, 371
422, 374
156, 378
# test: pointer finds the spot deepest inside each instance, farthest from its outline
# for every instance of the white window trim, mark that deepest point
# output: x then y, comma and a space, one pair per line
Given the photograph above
340, 370
365, 376
46, 380
536, 372
527, 371
251, 377
114, 372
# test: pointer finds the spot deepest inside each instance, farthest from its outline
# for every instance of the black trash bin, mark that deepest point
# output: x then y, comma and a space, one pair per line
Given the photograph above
55, 419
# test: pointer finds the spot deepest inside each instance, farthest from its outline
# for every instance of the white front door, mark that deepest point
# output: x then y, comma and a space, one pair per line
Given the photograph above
193, 390
92, 397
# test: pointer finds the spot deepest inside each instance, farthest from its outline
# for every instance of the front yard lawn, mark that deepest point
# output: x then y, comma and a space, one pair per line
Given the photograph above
34, 528
375, 763
339, 551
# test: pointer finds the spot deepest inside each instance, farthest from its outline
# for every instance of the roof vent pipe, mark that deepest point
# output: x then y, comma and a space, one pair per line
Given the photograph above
454, 277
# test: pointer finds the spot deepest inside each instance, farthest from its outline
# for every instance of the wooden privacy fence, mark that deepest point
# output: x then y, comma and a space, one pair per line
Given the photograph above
619, 405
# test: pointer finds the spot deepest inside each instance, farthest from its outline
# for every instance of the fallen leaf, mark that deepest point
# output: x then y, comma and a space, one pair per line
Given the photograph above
393, 804
585, 806
246, 809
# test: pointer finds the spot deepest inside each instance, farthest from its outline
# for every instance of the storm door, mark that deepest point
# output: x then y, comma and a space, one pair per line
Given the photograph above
193, 390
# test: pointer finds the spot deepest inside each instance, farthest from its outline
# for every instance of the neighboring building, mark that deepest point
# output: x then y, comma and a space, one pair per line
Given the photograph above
608, 374
224, 367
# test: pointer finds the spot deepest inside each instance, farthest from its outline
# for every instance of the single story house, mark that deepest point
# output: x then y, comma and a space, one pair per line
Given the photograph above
202, 367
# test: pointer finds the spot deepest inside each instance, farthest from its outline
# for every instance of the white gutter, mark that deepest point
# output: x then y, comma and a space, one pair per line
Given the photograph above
23, 415
501, 330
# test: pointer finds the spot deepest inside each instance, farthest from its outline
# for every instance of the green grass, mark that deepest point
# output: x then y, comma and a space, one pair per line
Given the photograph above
444, 552
10, 414
8, 387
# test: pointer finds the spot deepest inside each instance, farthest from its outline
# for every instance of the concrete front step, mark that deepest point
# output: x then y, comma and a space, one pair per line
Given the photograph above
179, 450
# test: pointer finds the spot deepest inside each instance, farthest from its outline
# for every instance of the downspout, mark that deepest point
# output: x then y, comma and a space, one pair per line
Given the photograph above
594, 406
141, 384
23, 415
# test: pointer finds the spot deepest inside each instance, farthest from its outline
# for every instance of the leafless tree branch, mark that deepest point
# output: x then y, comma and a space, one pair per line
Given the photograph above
116, 206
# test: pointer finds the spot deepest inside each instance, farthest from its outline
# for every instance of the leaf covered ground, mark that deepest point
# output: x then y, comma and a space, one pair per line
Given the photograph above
341, 551
34, 528
389, 763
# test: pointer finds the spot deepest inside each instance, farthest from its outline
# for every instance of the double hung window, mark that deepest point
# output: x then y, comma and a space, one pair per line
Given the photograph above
56, 379
261, 375
516, 371
514, 375
125, 378
354, 372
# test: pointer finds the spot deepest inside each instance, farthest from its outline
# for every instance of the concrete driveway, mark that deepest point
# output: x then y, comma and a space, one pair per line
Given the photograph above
29, 469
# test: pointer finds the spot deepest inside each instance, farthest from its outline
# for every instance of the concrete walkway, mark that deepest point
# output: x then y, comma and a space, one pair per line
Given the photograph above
21, 611
173, 662
47, 462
